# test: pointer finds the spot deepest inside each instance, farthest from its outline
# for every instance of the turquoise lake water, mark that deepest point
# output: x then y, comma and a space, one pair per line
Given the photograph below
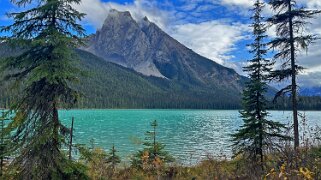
189, 135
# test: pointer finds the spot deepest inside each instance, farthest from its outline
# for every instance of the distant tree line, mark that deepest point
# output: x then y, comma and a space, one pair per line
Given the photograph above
102, 100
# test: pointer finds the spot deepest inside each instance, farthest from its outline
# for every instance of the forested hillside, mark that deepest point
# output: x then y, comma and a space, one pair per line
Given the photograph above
111, 86
107, 85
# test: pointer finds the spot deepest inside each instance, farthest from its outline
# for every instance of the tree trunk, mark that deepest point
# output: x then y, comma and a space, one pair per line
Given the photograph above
55, 120
71, 137
294, 85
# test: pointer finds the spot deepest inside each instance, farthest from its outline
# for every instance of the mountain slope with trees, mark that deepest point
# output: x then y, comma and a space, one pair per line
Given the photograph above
112, 86
108, 85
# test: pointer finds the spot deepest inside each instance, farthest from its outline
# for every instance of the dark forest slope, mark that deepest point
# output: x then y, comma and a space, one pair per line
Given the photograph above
109, 85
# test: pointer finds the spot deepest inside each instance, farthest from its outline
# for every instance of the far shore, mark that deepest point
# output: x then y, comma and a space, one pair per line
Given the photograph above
174, 109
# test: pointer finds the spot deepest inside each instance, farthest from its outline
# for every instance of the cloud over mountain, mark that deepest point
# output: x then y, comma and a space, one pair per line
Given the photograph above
212, 28
213, 39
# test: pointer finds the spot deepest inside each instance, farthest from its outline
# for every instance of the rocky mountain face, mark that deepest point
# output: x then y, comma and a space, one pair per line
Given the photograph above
145, 48
122, 41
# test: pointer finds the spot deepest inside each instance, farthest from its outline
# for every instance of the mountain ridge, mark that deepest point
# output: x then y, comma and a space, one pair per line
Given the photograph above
147, 49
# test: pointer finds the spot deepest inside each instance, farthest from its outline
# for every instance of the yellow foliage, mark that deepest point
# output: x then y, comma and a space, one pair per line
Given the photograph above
283, 172
145, 158
306, 173
271, 173
303, 172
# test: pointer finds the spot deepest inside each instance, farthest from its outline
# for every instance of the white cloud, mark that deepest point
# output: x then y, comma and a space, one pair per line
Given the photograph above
213, 39
241, 3
189, 6
313, 4
310, 80
312, 57
97, 11
312, 60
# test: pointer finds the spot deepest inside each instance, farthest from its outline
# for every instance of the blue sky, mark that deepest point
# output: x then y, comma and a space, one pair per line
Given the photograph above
217, 29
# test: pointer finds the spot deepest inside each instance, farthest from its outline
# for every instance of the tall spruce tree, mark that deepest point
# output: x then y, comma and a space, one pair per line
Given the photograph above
257, 133
290, 21
47, 33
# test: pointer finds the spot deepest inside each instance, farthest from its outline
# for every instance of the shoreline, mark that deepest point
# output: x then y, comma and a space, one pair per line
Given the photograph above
169, 109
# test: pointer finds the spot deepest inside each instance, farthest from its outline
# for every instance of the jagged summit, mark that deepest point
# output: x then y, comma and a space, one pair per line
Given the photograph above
147, 49
146, 19
118, 17
122, 41
114, 12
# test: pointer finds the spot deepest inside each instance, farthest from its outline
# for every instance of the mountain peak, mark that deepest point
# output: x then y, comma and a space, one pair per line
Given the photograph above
147, 49
118, 16
145, 22
146, 19
114, 12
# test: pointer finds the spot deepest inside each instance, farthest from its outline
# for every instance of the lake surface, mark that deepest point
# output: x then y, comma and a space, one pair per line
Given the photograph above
189, 135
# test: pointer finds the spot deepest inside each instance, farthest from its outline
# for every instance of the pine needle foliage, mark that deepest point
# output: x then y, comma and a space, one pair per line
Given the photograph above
113, 159
290, 21
48, 33
153, 154
257, 134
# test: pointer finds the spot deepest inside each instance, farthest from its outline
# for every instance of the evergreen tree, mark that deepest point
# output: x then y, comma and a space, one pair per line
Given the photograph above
153, 154
257, 133
47, 33
96, 161
113, 159
290, 21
